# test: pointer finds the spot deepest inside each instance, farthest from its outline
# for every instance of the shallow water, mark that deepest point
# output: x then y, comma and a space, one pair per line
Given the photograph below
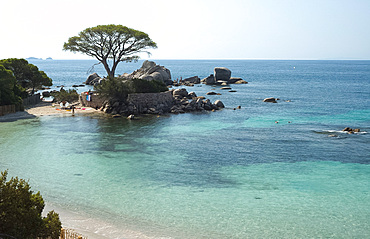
225, 174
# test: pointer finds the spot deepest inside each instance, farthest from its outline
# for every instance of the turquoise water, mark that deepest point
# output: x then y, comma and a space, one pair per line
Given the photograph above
226, 174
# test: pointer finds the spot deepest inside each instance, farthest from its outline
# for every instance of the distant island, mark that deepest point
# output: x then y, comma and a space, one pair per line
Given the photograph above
35, 58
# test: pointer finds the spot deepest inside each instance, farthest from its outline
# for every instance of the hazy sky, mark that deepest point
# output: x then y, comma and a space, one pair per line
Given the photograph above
195, 29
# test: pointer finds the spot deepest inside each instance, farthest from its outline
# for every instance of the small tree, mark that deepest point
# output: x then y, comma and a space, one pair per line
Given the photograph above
20, 211
110, 42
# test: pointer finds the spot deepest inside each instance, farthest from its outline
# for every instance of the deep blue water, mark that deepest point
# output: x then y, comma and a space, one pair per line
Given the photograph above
225, 174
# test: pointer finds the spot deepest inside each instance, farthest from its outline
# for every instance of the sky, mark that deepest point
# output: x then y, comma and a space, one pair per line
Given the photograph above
195, 29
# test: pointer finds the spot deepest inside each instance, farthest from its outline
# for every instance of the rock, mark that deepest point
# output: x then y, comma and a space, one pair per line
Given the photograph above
350, 130
46, 94
234, 79
192, 95
241, 82
221, 82
271, 100
180, 93
150, 71
232, 91
219, 104
93, 79
131, 117
209, 80
193, 80
211, 93
226, 88
222, 73
116, 116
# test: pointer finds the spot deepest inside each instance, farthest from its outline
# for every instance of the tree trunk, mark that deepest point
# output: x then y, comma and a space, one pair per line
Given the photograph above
110, 73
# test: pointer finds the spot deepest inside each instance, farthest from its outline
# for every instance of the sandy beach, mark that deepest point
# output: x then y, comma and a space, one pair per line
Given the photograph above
46, 108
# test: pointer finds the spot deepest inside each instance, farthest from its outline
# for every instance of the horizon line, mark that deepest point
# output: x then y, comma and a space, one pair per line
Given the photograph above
216, 59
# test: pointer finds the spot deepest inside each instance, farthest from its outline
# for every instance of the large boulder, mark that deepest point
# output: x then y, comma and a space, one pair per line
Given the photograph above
222, 74
209, 80
93, 79
150, 71
219, 104
180, 93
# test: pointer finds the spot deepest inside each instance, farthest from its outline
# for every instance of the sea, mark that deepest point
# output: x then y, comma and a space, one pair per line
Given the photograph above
266, 170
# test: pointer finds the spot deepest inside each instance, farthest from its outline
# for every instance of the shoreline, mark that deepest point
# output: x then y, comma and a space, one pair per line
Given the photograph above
46, 109
93, 227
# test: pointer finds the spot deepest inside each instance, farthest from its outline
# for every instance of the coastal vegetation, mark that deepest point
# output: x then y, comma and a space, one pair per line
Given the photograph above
110, 44
18, 79
27, 75
10, 91
20, 211
70, 95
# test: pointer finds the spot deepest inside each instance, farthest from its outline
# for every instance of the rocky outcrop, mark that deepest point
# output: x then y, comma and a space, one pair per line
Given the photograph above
188, 103
222, 74
193, 80
175, 101
93, 79
150, 71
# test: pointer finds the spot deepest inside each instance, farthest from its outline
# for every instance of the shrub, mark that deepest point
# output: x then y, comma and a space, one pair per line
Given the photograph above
70, 96
20, 211
118, 89
144, 86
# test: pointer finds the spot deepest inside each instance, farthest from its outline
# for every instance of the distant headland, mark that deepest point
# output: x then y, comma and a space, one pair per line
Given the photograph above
35, 58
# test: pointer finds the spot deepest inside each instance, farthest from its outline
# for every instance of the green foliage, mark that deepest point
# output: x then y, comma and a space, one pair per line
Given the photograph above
20, 211
117, 89
110, 42
10, 92
144, 86
70, 96
52, 226
26, 74
113, 89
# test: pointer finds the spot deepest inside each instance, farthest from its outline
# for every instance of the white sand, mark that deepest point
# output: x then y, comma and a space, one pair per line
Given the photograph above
45, 108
